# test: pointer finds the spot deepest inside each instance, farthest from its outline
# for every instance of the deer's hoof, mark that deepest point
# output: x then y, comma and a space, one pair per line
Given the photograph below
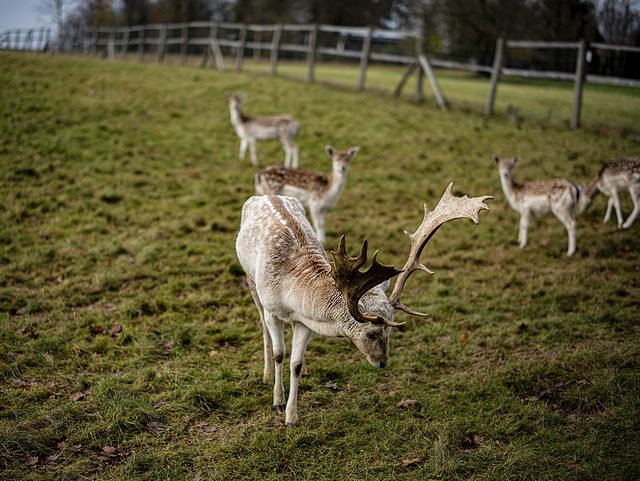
292, 425
280, 408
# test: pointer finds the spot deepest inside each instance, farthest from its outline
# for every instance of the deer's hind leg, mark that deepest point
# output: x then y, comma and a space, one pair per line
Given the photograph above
634, 190
564, 213
267, 375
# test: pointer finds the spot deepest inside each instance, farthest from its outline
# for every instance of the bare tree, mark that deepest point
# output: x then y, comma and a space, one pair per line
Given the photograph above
619, 20
55, 10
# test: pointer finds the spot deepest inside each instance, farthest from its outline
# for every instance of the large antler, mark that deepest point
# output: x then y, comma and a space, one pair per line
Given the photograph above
353, 283
449, 208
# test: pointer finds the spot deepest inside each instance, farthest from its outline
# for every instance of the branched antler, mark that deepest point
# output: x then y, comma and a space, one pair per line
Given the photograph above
353, 283
449, 208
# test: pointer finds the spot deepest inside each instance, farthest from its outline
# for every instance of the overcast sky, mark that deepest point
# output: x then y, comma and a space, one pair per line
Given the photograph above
21, 14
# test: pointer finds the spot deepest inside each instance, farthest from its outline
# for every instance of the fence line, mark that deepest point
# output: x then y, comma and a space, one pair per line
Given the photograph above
217, 40
33, 39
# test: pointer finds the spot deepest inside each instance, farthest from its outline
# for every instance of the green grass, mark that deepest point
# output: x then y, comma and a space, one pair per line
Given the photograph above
129, 343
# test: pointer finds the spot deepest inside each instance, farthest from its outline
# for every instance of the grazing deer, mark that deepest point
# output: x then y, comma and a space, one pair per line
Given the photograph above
251, 128
558, 196
616, 176
317, 192
291, 280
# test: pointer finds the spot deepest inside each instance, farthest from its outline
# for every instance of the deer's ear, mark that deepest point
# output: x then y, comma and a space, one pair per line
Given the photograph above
353, 151
330, 150
515, 160
228, 94
496, 159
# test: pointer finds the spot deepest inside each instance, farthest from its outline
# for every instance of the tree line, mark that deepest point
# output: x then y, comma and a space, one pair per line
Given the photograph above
449, 25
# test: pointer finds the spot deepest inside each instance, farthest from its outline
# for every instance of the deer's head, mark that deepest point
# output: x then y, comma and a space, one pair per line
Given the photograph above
340, 158
364, 292
506, 166
235, 102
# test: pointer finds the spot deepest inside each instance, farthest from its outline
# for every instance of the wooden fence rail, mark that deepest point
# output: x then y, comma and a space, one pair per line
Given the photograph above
215, 41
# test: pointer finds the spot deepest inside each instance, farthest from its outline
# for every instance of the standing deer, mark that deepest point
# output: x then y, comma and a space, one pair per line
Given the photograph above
291, 280
558, 196
616, 176
317, 192
251, 128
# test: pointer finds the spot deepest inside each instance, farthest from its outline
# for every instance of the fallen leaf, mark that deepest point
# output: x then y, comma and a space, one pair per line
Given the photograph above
406, 463
32, 460
473, 294
206, 426
115, 331
331, 385
228, 347
110, 450
406, 403
156, 427
544, 394
523, 327
463, 337
68, 477
77, 396
213, 353
96, 329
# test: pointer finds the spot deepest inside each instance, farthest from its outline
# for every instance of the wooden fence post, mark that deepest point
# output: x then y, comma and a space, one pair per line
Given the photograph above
426, 67
162, 43
578, 84
419, 95
495, 76
242, 42
94, 43
125, 44
364, 58
141, 39
111, 44
311, 53
216, 53
275, 45
185, 44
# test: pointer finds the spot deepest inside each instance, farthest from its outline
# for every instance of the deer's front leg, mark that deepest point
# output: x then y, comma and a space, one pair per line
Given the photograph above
525, 215
615, 199
276, 330
243, 149
252, 152
301, 336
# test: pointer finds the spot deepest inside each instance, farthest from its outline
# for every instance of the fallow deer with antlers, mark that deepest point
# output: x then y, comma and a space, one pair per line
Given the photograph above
318, 192
251, 128
291, 280
558, 196
618, 175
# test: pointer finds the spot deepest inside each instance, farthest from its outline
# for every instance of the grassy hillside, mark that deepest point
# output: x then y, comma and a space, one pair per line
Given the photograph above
130, 346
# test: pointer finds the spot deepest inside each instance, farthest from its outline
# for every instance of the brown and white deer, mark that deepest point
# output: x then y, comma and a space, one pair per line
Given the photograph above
251, 128
318, 192
292, 281
558, 196
616, 176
